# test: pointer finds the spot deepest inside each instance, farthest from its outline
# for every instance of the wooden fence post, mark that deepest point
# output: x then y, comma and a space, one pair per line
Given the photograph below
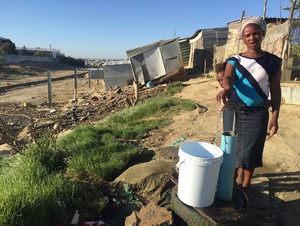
75, 84
49, 89
90, 75
285, 53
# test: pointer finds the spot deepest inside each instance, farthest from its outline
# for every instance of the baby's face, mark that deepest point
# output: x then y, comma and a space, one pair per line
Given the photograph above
220, 76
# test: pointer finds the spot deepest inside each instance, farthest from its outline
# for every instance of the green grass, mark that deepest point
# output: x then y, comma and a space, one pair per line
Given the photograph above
153, 113
96, 154
50, 171
30, 194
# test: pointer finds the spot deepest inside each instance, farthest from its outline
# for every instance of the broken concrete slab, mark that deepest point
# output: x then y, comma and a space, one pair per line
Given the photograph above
150, 214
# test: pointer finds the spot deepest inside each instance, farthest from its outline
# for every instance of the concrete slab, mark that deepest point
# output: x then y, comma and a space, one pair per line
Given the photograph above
291, 93
259, 211
217, 214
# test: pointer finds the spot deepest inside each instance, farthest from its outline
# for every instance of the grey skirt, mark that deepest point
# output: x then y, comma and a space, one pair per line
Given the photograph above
251, 127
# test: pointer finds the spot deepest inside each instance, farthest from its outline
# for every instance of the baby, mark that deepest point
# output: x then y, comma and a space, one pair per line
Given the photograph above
220, 70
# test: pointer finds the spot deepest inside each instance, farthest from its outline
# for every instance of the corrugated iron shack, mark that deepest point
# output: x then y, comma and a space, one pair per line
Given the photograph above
153, 61
198, 50
117, 73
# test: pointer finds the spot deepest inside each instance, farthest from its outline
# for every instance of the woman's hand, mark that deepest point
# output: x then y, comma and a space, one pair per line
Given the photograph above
273, 126
223, 95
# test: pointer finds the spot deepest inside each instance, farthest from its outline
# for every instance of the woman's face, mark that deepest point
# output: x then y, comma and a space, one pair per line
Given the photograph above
252, 37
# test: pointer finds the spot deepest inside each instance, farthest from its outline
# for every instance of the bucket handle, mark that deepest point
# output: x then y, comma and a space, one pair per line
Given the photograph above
206, 162
179, 164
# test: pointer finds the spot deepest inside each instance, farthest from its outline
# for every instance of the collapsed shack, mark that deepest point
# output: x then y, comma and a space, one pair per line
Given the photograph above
156, 60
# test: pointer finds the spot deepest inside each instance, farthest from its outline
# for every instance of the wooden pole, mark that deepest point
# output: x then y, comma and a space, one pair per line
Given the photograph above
280, 8
239, 37
290, 22
98, 75
90, 75
265, 9
75, 84
285, 52
242, 16
49, 89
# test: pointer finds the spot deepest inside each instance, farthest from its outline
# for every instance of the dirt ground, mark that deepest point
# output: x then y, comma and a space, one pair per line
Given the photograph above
281, 154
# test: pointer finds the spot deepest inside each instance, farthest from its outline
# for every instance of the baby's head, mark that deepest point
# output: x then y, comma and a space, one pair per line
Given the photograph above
220, 69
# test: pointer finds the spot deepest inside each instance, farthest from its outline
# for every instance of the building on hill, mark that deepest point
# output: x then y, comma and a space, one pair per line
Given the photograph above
30, 54
54, 53
33, 55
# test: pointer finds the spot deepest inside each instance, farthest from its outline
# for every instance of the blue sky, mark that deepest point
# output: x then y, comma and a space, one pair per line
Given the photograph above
107, 29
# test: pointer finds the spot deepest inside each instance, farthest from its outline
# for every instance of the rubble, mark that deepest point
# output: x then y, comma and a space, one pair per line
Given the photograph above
150, 215
25, 122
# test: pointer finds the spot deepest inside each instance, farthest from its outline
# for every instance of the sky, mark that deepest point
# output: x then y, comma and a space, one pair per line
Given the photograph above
106, 29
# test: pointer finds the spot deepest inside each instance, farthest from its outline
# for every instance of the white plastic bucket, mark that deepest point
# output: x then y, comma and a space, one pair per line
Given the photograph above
199, 167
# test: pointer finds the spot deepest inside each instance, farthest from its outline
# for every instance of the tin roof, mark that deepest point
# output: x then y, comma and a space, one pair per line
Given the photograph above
142, 49
208, 30
267, 19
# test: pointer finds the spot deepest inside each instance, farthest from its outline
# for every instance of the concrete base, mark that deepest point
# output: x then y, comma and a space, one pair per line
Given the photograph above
291, 93
216, 215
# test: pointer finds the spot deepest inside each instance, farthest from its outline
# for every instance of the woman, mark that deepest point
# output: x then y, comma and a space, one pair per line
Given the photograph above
248, 80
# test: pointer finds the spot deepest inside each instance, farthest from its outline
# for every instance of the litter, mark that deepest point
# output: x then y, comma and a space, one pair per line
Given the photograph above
75, 219
178, 141
93, 223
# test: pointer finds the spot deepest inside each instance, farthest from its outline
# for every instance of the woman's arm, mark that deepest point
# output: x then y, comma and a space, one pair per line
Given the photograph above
275, 90
228, 77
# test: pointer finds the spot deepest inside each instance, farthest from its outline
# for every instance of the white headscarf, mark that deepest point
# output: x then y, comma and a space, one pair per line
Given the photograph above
254, 20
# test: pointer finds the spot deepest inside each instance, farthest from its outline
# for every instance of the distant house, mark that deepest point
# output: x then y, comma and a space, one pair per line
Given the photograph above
198, 50
156, 60
32, 54
53, 53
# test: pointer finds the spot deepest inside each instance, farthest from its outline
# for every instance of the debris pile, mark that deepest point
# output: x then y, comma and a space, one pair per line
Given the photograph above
25, 122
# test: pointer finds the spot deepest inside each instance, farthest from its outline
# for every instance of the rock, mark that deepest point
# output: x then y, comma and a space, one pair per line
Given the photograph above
24, 134
150, 215
138, 173
5, 149
169, 154
151, 180
132, 220
52, 111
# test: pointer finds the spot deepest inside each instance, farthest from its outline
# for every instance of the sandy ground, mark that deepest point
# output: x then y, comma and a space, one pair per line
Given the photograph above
281, 151
281, 155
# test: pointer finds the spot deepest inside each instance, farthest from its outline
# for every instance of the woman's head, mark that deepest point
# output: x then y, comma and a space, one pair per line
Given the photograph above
258, 21
253, 30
